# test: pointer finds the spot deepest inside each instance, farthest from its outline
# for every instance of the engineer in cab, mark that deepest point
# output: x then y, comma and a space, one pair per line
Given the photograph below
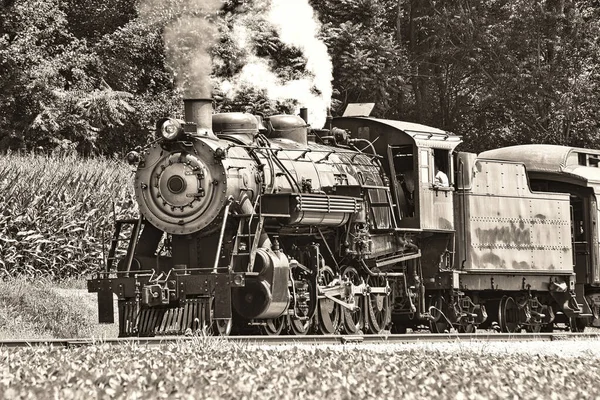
441, 179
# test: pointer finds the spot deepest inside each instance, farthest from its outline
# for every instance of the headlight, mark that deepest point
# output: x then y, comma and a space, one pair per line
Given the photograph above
133, 158
170, 129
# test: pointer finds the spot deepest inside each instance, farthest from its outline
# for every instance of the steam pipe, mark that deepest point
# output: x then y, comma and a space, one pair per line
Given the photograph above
329, 119
247, 208
379, 274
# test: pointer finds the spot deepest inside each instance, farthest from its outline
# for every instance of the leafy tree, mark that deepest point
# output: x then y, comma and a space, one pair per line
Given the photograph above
37, 55
59, 89
79, 73
92, 19
369, 64
503, 72
540, 69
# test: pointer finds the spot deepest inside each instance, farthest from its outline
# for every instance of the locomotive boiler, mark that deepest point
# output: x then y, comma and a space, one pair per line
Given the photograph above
263, 225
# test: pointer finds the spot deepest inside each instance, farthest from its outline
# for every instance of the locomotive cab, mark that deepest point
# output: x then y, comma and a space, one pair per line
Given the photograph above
412, 156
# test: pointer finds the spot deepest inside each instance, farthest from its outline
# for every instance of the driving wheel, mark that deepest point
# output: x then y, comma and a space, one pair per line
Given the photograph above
353, 320
299, 327
329, 312
274, 326
378, 305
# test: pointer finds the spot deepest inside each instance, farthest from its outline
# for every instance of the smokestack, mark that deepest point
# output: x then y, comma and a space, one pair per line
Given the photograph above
199, 111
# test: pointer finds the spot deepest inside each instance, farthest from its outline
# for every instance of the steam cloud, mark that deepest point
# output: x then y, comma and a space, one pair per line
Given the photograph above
188, 35
297, 27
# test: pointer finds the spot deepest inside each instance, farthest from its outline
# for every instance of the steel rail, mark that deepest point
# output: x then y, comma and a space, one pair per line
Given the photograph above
308, 339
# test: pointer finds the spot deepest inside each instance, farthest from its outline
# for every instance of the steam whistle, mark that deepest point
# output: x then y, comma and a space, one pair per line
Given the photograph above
328, 120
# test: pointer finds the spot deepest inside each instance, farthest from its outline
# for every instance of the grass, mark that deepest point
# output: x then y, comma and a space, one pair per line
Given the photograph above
44, 310
210, 367
57, 213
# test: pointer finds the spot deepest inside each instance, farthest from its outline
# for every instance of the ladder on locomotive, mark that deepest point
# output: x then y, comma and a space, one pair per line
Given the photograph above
135, 226
249, 229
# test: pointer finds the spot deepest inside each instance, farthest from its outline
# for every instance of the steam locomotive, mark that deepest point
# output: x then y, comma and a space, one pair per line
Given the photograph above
262, 225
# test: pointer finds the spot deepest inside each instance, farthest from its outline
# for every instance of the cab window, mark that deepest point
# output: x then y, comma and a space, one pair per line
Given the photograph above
441, 168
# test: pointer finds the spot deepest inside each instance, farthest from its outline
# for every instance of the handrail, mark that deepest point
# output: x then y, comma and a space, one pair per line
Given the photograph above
133, 242
222, 233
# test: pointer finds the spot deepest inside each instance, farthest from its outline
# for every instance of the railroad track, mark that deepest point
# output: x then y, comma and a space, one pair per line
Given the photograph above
309, 339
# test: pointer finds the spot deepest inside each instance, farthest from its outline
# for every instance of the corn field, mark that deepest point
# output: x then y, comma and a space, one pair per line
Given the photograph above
57, 213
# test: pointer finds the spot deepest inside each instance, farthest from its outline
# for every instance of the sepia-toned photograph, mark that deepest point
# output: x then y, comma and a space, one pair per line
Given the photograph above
299, 199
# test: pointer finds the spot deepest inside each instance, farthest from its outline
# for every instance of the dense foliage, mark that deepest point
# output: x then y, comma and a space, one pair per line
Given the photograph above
92, 76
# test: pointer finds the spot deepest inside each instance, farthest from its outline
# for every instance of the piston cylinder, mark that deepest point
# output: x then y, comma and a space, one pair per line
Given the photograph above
265, 295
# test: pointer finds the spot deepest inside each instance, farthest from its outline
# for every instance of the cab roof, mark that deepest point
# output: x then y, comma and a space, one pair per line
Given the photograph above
411, 128
420, 134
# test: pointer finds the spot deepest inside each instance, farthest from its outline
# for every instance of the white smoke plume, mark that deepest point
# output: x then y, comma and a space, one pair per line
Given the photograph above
188, 35
297, 26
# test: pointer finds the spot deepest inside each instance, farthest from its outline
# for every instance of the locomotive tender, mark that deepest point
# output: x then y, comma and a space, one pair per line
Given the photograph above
250, 225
